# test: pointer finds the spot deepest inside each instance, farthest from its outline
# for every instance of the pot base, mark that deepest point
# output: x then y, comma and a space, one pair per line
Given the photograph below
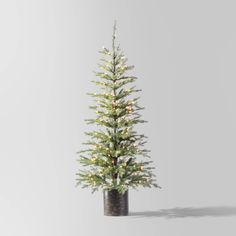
115, 203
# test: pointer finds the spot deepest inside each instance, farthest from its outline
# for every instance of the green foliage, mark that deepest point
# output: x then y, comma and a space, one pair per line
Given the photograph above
113, 157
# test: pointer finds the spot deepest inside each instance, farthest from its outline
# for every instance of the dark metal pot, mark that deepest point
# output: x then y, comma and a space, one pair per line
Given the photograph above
115, 204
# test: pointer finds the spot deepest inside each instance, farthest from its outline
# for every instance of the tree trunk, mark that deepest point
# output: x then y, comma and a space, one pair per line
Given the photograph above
115, 204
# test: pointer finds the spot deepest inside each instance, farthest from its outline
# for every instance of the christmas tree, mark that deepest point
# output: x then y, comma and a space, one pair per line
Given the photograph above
115, 158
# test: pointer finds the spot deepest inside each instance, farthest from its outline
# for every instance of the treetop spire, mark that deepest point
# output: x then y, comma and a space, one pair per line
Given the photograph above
114, 35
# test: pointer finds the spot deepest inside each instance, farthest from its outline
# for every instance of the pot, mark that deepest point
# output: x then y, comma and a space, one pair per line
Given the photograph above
115, 203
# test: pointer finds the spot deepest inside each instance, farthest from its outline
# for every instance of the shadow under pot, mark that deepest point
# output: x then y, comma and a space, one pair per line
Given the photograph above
115, 203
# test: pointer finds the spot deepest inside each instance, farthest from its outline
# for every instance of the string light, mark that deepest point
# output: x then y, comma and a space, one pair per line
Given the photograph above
111, 104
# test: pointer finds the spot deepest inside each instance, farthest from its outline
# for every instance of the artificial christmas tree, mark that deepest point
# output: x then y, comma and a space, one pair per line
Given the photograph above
115, 159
